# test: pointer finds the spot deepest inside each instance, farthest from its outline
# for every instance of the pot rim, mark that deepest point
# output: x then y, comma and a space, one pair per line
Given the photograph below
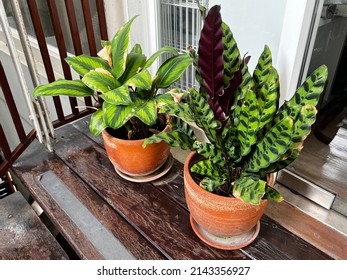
135, 142
270, 181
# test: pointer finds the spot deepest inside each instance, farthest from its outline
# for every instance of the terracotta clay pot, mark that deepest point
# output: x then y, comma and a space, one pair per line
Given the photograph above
130, 158
222, 222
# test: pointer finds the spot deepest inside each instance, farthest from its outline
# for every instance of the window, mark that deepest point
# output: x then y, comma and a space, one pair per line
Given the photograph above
180, 23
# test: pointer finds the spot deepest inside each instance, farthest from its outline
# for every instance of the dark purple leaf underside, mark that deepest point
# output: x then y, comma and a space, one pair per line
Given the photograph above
210, 51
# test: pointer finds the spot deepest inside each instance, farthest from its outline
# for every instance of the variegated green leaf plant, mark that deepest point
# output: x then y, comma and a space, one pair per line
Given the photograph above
130, 96
248, 135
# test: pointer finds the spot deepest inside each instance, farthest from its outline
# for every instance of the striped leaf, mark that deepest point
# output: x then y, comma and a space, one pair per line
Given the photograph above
171, 70
101, 81
302, 126
268, 97
180, 110
205, 168
63, 87
116, 116
274, 144
210, 151
203, 115
231, 54
141, 80
163, 99
117, 96
249, 189
211, 184
119, 47
163, 50
309, 92
262, 71
134, 64
272, 194
248, 123
181, 135
82, 64
97, 125
146, 111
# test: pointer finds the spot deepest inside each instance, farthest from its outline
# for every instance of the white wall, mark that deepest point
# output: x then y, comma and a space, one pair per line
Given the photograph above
281, 24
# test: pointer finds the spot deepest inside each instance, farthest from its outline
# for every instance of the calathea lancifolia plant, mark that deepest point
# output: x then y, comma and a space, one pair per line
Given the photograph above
122, 80
249, 136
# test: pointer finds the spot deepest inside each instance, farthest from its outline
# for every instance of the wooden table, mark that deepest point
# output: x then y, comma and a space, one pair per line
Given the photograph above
22, 234
103, 216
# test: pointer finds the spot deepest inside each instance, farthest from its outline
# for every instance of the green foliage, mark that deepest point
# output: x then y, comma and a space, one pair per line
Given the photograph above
121, 79
248, 135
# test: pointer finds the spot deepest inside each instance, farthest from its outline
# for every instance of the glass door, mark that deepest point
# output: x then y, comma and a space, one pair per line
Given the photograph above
320, 173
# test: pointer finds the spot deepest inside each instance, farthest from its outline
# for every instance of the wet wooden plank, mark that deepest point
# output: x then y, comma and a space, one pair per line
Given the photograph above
37, 160
324, 237
273, 242
23, 235
164, 222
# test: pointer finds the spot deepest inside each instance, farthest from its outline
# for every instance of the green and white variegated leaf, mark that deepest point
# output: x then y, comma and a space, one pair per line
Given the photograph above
272, 194
210, 151
181, 135
248, 122
146, 111
133, 66
136, 49
171, 70
211, 184
163, 50
231, 54
142, 80
97, 125
248, 189
163, 99
117, 96
119, 47
205, 168
63, 87
180, 110
99, 80
274, 144
82, 64
116, 116
203, 115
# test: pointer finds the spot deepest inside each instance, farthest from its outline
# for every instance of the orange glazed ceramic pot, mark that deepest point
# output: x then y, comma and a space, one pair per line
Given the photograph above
129, 157
222, 222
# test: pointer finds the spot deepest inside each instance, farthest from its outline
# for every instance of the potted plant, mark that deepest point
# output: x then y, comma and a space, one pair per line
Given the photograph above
130, 99
228, 178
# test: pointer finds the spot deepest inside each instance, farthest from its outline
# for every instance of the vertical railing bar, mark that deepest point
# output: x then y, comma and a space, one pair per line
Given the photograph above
89, 27
62, 49
44, 119
18, 68
4, 144
76, 39
35, 17
11, 104
102, 19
